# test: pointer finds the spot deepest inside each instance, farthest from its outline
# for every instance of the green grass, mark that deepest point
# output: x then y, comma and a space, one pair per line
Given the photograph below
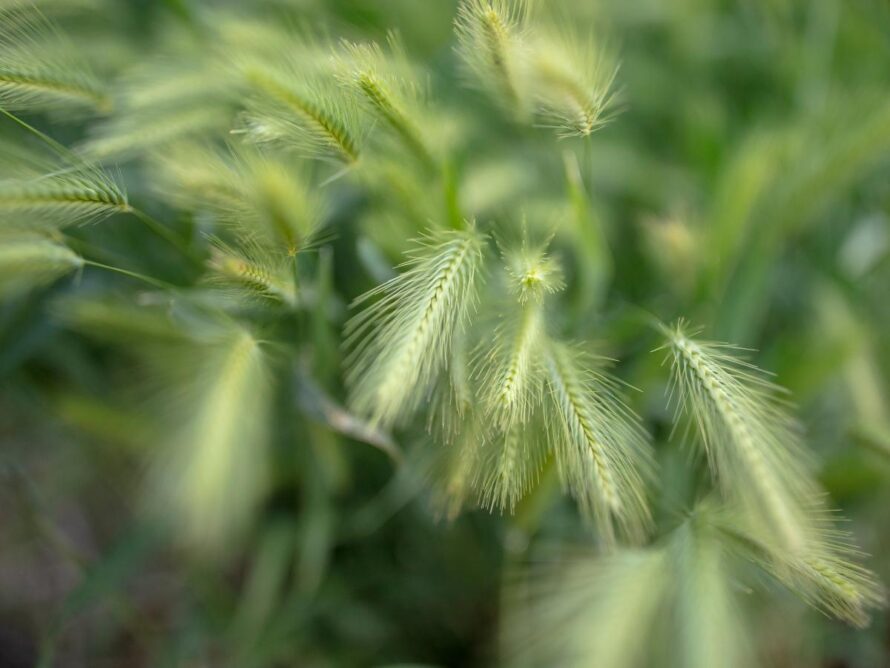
240, 243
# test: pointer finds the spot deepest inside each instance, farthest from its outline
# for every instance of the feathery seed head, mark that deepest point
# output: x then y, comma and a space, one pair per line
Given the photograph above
753, 445
532, 271
601, 450
41, 69
757, 454
183, 94
673, 602
510, 369
401, 342
259, 198
573, 83
213, 475
291, 108
492, 43
508, 466
254, 272
29, 260
66, 195
386, 86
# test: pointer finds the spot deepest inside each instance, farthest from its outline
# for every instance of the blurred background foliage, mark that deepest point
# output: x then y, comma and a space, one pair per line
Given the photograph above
743, 185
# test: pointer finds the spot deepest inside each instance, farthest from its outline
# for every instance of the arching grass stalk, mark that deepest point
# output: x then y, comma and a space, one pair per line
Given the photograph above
131, 274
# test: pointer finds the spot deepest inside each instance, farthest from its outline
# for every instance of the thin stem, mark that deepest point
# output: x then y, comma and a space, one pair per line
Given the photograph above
56, 146
162, 231
132, 274
452, 197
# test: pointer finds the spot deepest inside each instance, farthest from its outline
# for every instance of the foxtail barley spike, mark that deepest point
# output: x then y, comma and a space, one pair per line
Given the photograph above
402, 341
315, 121
510, 374
753, 446
757, 454
214, 476
28, 261
492, 45
39, 68
600, 447
66, 197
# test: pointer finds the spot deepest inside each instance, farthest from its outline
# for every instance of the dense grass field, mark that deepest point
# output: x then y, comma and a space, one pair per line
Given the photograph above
444, 333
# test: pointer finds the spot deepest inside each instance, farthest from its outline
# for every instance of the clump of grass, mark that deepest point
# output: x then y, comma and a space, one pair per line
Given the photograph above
222, 119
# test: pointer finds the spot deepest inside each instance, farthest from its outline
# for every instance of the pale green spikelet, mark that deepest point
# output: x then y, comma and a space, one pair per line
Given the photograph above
254, 271
181, 93
510, 371
40, 69
510, 368
454, 399
382, 82
401, 341
833, 582
573, 83
129, 134
200, 177
214, 473
757, 454
753, 445
600, 447
586, 610
492, 43
43, 194
532, 273
262, 198
121, 321
509, 463
287, 212
826, 573
672, 603
29, 260
296, 110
